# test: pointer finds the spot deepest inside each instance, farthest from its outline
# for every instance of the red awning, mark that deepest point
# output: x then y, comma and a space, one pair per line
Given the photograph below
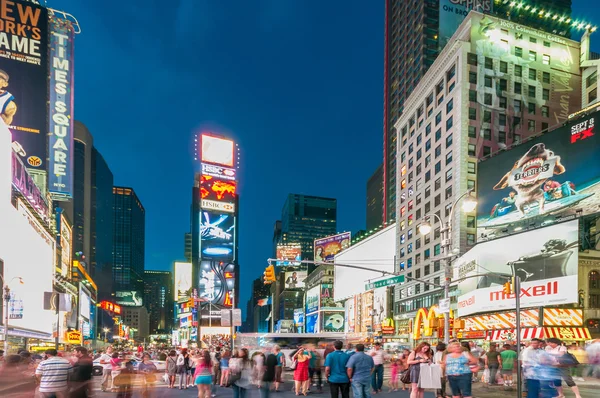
511, 335
568, 334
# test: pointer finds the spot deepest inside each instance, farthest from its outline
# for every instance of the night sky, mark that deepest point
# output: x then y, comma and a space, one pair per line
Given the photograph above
297, 83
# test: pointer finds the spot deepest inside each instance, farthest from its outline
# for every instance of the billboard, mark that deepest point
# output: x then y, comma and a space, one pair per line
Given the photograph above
312, 299
217, 194
289, 254
327, 248
327, 301
183, 282
24, 78
333, 321
217, 281
546, 260
130, 298
85, 303
60, 145
312, 323
380, 305
223, 173
298, 317
23, 182
453, 12
295, 279
556, 174
350, 310
217, 235
217, 150
66, 237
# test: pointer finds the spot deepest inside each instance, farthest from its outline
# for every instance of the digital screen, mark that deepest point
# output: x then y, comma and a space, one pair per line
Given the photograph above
312, 300
217, 234
84, 304
216, 189
216, 282
183, 281
217, 150
223, 173
312, 323
130, 298
289, 254
295, 279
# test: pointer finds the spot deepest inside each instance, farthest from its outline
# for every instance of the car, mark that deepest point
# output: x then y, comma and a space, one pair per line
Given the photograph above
161, 366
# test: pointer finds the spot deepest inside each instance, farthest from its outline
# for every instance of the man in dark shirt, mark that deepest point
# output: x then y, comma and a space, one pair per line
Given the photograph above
269, 373
81, 374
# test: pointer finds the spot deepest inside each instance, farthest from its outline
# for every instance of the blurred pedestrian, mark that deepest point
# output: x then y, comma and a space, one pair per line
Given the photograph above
183, 364
314, 369
301, 372
493, 362
81, 375
580, 371
438, 359
457, 367
147, 369
378, 356
508, 356
225, 367
203, 375
539, 369
555, 348
359, 368
280, 365
422, 354
593, 352
106, 369
171, 368
268, 374
15, 378
115, 368
242, 366
53, 374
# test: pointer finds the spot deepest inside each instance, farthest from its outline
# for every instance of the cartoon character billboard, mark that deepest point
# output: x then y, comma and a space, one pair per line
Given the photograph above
555, 174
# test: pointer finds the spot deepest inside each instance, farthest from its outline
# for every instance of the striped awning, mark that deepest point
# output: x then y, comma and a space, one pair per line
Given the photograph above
568, 334
511, 335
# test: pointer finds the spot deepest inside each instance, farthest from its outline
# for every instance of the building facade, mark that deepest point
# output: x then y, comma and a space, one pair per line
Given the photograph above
375, 199
158, 300
495, 84
128, 247
136, 318
415, 34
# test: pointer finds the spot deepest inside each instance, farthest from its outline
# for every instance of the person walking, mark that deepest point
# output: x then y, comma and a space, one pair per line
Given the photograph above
378, 356
493, 361
243, 367
580, 371
203, 375
216, 357
82, 374
359, 368
225, 368
53, 374
508, 357
183, 363
171, 368
301, 372
269, 373
458, 371
115, 368
15, 378
280, 365
555, 348
335, 371
314, 369
539, 369
147, 369
106, 369
422, 354
438, 359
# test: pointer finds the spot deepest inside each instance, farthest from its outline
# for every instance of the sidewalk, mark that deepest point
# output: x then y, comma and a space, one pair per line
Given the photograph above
588, 389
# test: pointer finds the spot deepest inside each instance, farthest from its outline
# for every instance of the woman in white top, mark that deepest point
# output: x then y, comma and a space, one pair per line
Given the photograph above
438, 358
555, 348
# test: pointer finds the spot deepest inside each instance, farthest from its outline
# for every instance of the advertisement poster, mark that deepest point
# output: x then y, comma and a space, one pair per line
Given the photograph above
85, 304
24, 78
295, 279
298, 317
217, 150
183, 282
312, 323
350, 306
289, 254
333, 321
546, 260
217, 281
380, 305
366, 306
453, 12
327, 248
327, 302
214, 189
60, 143
555, 174
312, 300
65, 244
130, 298
217, 234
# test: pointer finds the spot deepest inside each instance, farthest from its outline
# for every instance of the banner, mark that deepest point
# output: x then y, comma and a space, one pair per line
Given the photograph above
563, 317
60, 170
546, 260
327, 248
24, 78
507, 320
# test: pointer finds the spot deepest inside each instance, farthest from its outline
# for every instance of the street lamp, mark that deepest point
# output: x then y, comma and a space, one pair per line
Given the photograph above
6, 290
105, 330
468, 205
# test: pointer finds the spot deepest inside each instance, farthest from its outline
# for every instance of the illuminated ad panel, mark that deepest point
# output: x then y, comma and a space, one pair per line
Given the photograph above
289, 254
216, 282
555, 174
453, 12
217, 150
295, 279
24, 79
60, 170
217, 236
65, 244
183, 282
327, 248
217, 194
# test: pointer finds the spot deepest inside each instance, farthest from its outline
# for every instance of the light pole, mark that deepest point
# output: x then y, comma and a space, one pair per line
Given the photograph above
6, 290
468, 205
105, 330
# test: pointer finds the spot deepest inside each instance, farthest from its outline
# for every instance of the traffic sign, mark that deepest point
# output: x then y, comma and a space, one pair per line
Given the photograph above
394, 280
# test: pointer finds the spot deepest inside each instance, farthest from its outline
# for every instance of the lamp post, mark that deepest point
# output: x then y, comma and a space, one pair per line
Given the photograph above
468, 205
6, 290
105, 330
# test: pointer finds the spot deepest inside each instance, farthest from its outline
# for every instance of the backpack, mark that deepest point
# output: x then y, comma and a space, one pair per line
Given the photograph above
568, 360
180, 360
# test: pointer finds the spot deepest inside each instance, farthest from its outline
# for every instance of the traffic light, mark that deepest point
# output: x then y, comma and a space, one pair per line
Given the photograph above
269, 275
507, 288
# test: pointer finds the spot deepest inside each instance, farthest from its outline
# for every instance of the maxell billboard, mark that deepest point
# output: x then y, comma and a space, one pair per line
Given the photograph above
557, 173
60, 170
24, 78
546, 260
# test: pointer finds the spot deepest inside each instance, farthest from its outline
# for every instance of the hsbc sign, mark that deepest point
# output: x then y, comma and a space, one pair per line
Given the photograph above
218, 206
223, 173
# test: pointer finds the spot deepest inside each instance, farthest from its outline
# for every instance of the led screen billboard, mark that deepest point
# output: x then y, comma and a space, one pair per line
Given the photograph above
217, 150
327, 248
289, 254
24, 78
183, 282
217, 194
65, 244
223, 173
216, 282
546, 259
312, 300
557, 173
295, 279
130, 298
333, 321
217, 235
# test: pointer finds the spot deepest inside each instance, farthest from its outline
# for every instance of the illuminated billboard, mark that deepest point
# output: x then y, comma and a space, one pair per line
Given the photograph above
312, 299
555, 174
380, 305
223, 173
23, 182
327, 301
312, 323
183, 281
453, 12
333, 321
217, 235
216, 189
546, 259
85, 303
217, 150
327, 248
295, 279
24, 78
216, 282
289, 254
65, 244
130, 298
60, 145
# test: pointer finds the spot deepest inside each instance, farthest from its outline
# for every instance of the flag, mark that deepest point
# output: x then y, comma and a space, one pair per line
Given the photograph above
264, 301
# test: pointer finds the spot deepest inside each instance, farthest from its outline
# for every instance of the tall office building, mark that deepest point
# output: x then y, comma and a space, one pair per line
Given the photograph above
415, 33
375, 199
128, 247
158, 300
306, 218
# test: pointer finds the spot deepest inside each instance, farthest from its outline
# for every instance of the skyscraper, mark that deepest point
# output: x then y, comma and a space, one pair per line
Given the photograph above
375, 199
158, 300
305, 218
128, 247
415, 33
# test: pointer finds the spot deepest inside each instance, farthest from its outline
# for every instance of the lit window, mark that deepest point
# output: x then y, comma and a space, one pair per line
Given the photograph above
546, 59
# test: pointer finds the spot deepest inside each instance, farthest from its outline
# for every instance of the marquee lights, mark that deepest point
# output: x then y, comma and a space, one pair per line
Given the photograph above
549, 14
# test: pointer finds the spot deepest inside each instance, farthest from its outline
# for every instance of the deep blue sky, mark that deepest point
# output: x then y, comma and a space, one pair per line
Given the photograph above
297, 83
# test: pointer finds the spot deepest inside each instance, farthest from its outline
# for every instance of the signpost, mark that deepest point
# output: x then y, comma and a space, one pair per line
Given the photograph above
444, 306
385, 282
